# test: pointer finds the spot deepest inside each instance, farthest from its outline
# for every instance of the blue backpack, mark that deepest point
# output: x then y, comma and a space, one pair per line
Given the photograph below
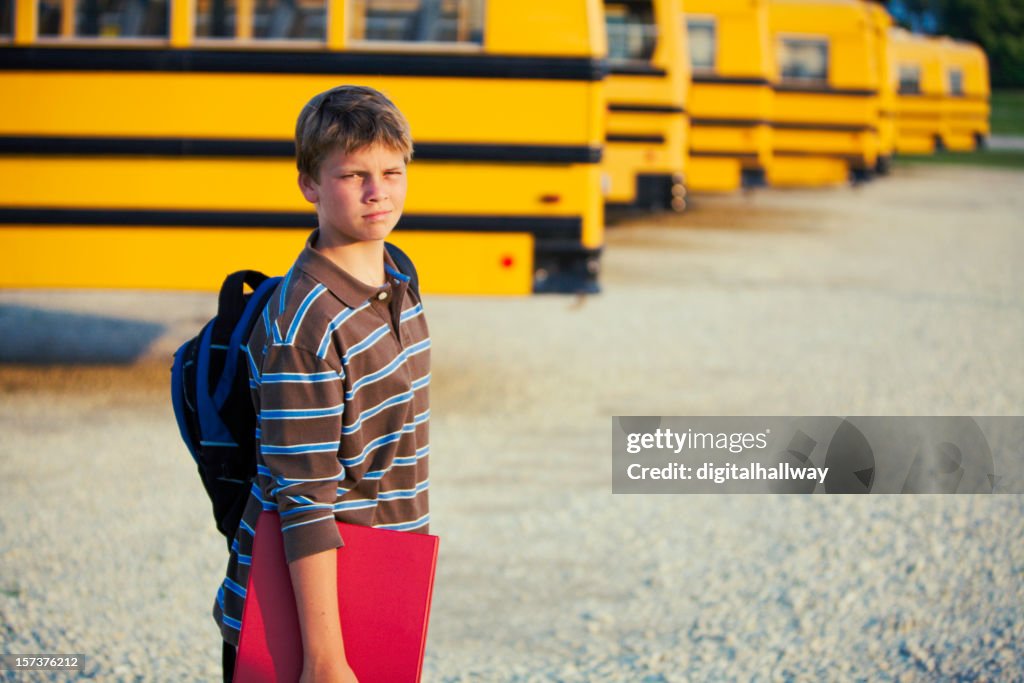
210, 392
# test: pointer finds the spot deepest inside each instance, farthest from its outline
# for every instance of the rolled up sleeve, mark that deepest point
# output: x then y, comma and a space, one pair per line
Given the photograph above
301, 406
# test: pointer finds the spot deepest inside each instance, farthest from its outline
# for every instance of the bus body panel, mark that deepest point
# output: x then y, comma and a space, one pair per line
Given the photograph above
108, 257
268, 185
207, 106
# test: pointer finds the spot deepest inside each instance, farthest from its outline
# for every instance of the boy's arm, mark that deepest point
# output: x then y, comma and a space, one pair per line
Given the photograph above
301, 404
315, 581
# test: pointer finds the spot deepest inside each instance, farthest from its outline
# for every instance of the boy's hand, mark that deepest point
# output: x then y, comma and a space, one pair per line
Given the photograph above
327, 671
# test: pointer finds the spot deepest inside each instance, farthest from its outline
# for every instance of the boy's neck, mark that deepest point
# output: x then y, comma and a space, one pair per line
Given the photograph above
362, 260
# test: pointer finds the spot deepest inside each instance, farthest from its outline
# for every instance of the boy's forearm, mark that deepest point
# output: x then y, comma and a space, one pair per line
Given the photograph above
315, 582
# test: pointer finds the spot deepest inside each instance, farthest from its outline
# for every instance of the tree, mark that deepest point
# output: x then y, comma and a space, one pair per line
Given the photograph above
996, 25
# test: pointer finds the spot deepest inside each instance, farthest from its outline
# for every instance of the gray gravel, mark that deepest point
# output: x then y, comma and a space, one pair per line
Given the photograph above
901, 297
1006, 142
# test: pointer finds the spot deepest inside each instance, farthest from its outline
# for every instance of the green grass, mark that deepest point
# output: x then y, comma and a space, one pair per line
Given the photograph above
988, 157
1008, 112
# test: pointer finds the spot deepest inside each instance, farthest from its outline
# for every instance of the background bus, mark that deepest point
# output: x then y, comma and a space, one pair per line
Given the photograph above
881, 24
731, 98
917, 61
645, 155
965, 107
147, 144
826, 106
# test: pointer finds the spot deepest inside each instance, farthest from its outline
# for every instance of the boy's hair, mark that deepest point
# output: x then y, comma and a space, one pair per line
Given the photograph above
349, 117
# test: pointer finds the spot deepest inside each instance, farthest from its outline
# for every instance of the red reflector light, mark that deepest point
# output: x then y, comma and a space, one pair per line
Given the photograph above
506, 261
550, 198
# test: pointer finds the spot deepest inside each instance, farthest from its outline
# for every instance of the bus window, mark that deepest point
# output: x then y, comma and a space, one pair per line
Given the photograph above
803, 59
956, 83
270, 20
103, 18
418, 21
6, 18
702, 43
302, 20
910, 79
215, 19
631, 31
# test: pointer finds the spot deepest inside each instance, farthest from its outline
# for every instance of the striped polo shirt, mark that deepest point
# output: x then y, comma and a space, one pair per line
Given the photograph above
340, 374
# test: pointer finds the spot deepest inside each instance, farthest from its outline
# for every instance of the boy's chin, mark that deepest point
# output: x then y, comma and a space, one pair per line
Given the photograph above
369, 233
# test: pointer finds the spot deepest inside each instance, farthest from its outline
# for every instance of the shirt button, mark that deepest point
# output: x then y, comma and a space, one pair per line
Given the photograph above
382, 296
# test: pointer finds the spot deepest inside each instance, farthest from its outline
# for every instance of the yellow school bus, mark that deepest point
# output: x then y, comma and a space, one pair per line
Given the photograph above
147, 143
881, 24
730, 101
645, 155
921, 91
965, 107
826, 104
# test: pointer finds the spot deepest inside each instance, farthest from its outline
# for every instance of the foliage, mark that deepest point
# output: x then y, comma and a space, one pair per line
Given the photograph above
996, 25
1008, 112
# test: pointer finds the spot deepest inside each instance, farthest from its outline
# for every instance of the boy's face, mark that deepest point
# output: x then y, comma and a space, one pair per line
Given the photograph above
358, 196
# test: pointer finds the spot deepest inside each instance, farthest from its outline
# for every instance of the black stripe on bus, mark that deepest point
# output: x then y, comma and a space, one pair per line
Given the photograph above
729, 80
823, 90
647, 108
76, 58
655, 139
639, 69
784, 125
707, 154
910, 115
803, 153
730, 123
935, 97
544, 227
198, 147
977, 117
830, 127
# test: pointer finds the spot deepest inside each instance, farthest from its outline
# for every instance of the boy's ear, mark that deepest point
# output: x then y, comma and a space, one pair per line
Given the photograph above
309, 188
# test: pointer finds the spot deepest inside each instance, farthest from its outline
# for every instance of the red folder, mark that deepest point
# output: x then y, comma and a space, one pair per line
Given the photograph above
385, 581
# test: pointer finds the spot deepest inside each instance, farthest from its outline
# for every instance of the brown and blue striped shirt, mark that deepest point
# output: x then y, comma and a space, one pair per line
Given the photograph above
340, 375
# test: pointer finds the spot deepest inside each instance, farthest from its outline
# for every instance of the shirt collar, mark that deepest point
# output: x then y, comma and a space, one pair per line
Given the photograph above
351, 291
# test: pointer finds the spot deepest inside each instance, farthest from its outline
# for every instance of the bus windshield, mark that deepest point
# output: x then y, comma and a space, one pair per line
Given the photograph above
631, 31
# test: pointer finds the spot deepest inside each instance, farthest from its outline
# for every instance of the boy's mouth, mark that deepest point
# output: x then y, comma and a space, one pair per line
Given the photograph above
378, 215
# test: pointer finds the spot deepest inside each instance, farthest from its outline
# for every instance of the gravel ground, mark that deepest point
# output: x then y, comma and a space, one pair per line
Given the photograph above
1006, 142
900, 297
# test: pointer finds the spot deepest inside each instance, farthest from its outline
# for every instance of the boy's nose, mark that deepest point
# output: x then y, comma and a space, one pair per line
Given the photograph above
374, 189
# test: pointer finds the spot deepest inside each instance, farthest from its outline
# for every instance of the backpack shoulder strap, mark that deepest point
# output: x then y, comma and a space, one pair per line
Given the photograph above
232, 300
405, 266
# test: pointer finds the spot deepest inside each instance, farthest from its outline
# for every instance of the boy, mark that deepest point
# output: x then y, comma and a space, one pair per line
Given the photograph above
339, 372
